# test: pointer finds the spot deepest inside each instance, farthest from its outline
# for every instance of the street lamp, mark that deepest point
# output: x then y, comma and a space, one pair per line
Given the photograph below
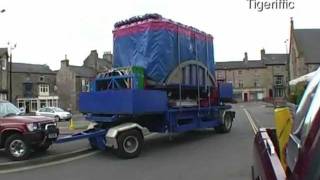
10, 70
2, 11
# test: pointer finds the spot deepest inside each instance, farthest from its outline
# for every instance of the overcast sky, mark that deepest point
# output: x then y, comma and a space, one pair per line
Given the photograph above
45, 31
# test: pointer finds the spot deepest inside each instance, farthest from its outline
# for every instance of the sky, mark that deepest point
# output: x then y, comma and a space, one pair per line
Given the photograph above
45, 31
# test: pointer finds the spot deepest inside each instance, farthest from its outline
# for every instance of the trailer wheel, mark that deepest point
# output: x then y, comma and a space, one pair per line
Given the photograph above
226, 125
130, 143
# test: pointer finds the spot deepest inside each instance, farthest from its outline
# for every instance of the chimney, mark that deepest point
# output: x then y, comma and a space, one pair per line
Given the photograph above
107, 55
245, 59
65, 62
262, 53
94, 54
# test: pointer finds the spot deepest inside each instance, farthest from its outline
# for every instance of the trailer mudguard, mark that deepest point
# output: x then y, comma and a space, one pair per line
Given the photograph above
111, 136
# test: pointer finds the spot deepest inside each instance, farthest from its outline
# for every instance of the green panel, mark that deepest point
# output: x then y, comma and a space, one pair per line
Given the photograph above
138, 71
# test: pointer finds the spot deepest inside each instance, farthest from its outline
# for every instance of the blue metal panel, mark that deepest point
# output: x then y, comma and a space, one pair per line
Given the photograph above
124, 101
205, 117
225, 91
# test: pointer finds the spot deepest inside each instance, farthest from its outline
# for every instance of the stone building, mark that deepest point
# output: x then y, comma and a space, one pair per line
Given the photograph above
72, 80
277, 67
255, 79
33, 86
4, 56
304, 51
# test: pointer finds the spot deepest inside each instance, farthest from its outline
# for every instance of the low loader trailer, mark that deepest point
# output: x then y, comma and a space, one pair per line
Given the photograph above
162, 81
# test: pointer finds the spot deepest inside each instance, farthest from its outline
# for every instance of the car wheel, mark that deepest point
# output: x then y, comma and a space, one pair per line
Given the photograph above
17, 148
56, 118
130, 144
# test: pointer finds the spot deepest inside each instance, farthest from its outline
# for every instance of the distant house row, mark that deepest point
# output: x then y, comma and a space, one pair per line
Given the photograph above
268, 77
35, 86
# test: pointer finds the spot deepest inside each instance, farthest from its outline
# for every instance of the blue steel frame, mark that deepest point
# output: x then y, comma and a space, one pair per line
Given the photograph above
113, 84
96, 137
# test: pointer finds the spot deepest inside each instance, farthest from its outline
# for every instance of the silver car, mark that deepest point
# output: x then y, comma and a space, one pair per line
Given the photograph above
55, 112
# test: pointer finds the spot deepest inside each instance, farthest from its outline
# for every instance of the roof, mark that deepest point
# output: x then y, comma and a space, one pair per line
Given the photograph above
31, 68
105, 63
275, 59
83, 71
308, 43
3, 51
240, 65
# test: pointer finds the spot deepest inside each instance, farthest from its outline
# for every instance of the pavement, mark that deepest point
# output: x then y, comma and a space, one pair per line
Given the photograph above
201, 154
79, 123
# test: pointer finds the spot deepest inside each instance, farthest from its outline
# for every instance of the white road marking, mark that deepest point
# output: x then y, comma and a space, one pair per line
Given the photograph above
48, 164
251, 121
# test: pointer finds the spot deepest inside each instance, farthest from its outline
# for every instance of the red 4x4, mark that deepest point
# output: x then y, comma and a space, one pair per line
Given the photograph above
20, 135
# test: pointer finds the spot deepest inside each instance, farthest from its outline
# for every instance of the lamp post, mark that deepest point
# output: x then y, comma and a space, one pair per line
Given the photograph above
10, 69
2, 11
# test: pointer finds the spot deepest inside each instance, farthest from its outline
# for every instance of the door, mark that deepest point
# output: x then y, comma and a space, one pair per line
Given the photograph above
270, 93
245, 97
28, 104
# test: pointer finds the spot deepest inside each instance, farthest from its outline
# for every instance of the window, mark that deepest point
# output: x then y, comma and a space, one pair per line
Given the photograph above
43, 90
240, 83
4, 64
27, 89
3, 96
278, 92
256, 83
55, 103
220, 76
85, 85
42, 103
20, 104
50, 102
41, 78
278, 80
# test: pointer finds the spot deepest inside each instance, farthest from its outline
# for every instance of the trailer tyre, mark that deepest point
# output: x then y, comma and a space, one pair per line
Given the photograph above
225, 127
130, 144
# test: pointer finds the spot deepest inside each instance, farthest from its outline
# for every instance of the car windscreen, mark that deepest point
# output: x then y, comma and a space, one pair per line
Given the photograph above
7, 109
58, 109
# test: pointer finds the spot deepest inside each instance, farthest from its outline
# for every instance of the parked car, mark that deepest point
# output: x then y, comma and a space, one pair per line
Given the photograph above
54, 112
20, 135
